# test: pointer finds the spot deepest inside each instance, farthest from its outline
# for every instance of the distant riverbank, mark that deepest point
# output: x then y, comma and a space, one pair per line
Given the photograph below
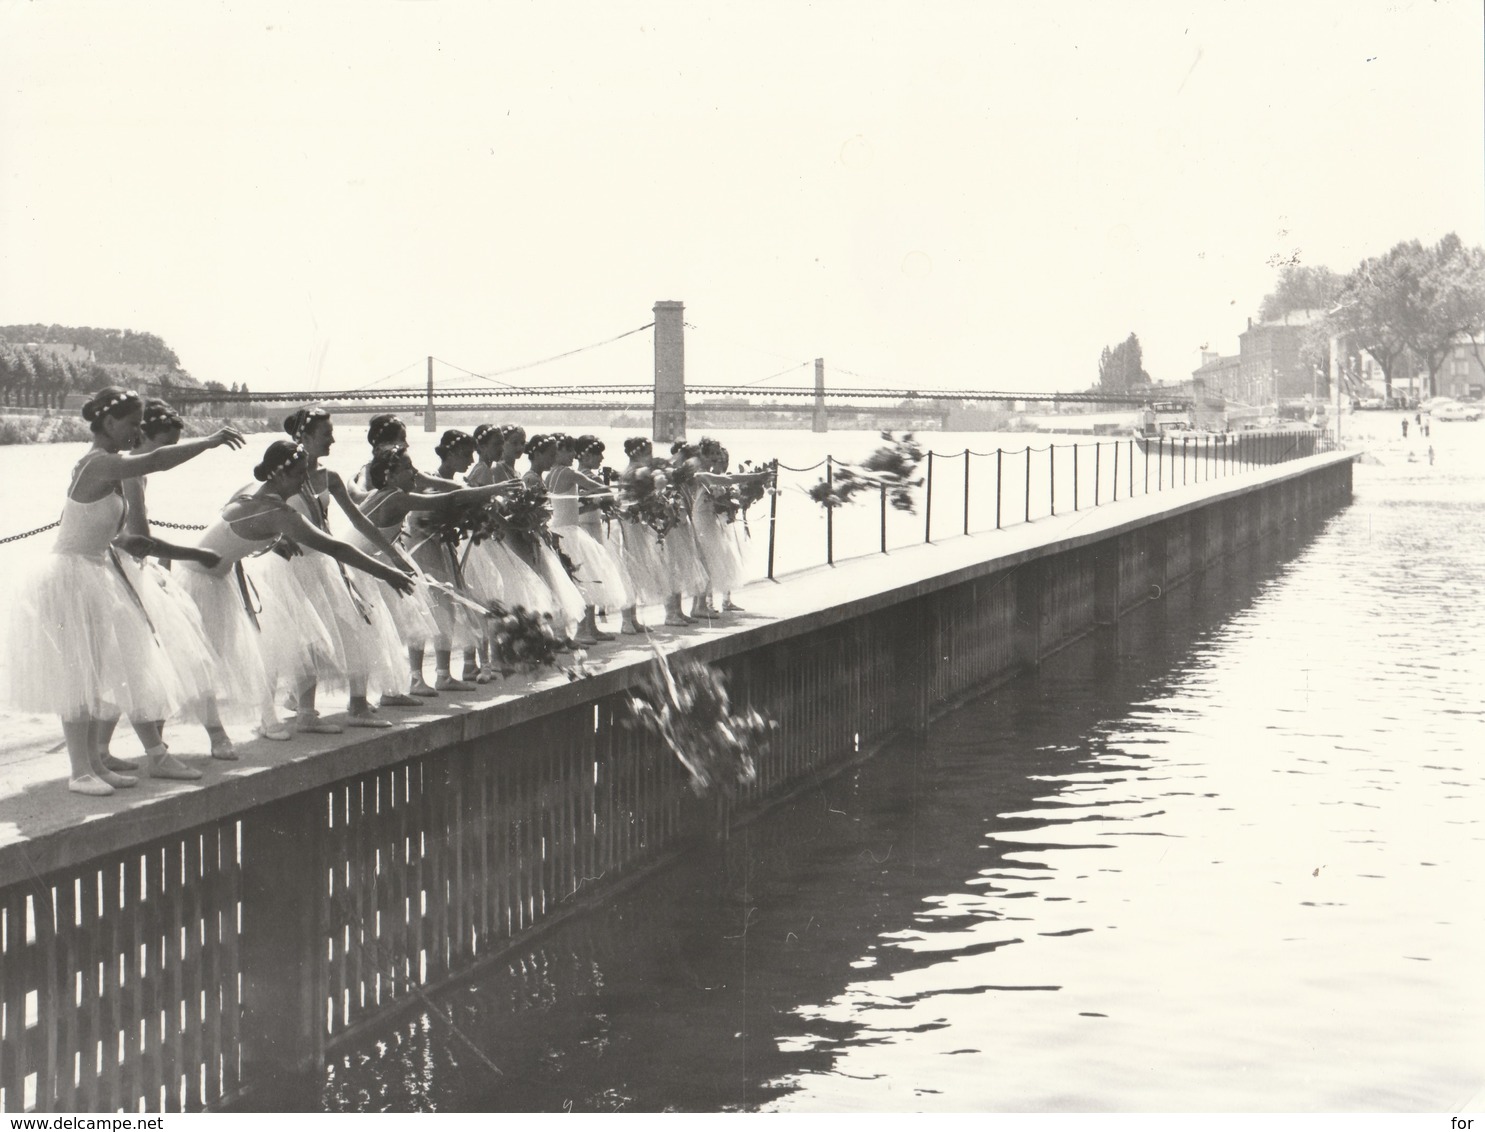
57, 429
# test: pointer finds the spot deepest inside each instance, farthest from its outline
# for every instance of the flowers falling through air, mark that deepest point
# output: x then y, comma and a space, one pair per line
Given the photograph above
685, 703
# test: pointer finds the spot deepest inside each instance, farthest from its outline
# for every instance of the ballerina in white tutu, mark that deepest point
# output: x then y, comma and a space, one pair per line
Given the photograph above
536, 546
370, 653
171, 610
683, 562
599, 579
640, 548
714, 514
274, 632
460, 628
597, 514
392, 500
81, 644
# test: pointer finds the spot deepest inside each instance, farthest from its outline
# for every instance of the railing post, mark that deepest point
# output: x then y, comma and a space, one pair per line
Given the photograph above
928, 503
829, 515
773, 517
966, 491
1185, 444
1098, 467
998, 492
883, 490
1160, 463
1052, 478
1116, 472
1075, 475
1146, 451
1028, 483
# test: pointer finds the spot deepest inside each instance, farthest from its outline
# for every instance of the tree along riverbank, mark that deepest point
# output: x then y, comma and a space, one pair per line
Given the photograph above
63, 429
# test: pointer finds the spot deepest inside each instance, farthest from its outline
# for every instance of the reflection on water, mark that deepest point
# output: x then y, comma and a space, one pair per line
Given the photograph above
1225, 858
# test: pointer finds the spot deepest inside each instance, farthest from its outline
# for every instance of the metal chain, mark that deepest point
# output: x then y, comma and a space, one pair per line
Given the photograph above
811, 468
153, 523
28, 534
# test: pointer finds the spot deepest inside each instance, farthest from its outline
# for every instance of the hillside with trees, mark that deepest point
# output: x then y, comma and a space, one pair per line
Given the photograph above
40, 365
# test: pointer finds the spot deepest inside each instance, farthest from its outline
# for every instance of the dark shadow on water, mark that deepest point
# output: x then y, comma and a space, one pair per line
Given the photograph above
685, 993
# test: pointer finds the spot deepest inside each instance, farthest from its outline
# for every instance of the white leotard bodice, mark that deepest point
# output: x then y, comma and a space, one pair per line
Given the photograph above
222, 539
565, 503
89, 528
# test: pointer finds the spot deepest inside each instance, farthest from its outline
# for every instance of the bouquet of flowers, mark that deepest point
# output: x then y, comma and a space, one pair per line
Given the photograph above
726, 500
450, 526
523, 641
686, 704
523, 514
753, 490
889, 468
644, 498
605, 503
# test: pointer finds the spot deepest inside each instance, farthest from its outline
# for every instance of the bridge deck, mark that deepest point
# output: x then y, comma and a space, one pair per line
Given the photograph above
43, 827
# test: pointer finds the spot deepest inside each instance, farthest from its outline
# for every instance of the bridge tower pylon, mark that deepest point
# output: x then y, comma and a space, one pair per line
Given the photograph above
430, 417
669, 422
820, 421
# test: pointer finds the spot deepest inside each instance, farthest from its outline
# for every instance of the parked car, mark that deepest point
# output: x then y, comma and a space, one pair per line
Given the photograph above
1455, 412
1372, 403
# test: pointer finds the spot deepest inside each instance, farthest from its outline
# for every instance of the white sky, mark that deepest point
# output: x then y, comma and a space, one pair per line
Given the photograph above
316, 195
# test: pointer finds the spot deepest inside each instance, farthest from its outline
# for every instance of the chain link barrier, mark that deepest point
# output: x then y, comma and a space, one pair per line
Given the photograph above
58, 522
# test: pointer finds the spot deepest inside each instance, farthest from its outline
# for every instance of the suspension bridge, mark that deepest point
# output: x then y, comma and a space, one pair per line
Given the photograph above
668, 398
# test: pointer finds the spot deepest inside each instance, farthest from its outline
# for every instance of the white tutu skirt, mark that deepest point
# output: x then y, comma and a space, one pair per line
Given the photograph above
720, 552
643, 556
77, 645
178, 626
683, 562
411, 615
457, 626
486, 583
300, 641
570, 603
599, 578
522, 584
244, 688
368, 648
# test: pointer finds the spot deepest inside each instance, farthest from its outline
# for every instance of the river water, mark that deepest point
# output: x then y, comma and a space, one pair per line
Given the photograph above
1227, 858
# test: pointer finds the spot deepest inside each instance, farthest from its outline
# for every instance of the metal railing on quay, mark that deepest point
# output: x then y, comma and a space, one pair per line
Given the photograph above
1040, 482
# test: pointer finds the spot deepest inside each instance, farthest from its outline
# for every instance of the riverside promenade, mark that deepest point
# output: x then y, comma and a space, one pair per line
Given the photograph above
176, 944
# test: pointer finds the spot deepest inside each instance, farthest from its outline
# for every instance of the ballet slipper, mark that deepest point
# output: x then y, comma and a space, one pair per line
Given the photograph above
118, 766
421, 688
357, 719
162, 764
118, 781
91, 785
449, 684
397, 699
223, 749
310, 723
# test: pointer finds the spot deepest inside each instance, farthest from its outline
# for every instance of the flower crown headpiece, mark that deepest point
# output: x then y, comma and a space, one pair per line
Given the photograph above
309, 416
117, 399
288, 461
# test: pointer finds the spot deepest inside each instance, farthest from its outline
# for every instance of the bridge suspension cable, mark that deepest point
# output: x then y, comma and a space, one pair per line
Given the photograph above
491, 377
388, 377
770, 377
